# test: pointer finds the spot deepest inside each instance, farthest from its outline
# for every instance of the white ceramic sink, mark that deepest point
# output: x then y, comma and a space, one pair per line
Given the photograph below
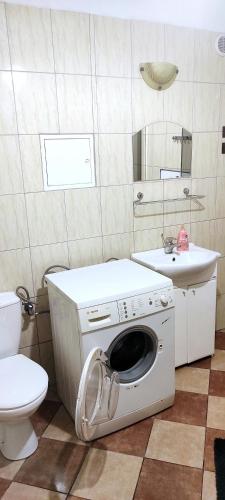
180, 266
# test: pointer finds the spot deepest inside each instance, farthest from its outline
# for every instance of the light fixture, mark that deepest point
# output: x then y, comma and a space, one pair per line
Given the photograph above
158, 75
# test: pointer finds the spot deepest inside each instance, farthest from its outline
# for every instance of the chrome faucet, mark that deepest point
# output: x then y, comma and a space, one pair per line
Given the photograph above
169, 243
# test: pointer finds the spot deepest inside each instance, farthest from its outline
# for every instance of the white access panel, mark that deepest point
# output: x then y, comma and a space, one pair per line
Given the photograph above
67, 161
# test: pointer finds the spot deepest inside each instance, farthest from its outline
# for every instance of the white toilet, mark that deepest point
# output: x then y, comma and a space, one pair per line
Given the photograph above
23, 385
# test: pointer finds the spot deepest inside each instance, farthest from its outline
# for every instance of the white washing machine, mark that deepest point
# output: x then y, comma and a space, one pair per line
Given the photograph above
113, 337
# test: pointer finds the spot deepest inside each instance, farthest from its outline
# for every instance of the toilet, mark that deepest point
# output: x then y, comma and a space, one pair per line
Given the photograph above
23, 385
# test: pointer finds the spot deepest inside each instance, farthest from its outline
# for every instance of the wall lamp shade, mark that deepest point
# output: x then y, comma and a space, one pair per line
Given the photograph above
158, 75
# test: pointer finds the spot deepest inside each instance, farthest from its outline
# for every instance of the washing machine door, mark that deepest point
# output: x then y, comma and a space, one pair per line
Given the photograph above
97, 395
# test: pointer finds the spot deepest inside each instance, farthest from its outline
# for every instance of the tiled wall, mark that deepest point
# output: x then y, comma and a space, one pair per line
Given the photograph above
63, 72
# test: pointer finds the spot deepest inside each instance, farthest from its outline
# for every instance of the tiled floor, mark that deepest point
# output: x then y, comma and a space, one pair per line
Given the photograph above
169, 456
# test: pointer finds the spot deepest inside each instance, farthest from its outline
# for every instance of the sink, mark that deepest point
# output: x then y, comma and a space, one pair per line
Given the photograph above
195, 265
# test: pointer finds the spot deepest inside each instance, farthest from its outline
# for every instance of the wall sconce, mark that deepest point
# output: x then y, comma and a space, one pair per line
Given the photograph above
158, 75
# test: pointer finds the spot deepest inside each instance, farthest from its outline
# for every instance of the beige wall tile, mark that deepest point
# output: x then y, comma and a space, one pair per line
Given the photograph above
46, 217
209, 65
178, 104
206, 187
179, 49
43, 320
47, 360
13, 222
32, 352
222, 104
116, 203
115, 159
15, 270
7, 106
113, 100
153, 191
204, 154
11, 180
221, 275
31, 162
177, 212
83, 213
147, 44
29, 331
119, 246
147, 105
101, 469
203, 234
4, 46
44, 256
220, 312
71, 42
219, 236
206, 107
85, 252
112, 46
30, 38
36, 105
148, 239
75, 104
220, 198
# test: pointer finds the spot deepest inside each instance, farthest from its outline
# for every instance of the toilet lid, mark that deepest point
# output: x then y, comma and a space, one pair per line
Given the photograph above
21, 381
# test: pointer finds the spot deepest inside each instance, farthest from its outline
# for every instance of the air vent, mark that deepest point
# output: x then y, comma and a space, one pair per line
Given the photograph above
220, 44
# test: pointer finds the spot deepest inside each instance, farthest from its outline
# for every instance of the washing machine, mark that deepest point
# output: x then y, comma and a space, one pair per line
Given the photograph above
113, 339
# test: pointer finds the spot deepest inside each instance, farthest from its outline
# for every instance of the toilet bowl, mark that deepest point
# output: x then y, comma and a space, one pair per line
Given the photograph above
23, 386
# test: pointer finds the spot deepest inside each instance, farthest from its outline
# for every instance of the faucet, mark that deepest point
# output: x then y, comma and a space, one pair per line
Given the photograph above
169, 243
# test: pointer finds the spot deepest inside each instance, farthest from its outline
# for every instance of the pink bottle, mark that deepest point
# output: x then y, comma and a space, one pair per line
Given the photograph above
182, 240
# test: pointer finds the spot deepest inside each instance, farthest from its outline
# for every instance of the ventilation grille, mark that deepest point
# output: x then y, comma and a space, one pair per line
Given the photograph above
220, 45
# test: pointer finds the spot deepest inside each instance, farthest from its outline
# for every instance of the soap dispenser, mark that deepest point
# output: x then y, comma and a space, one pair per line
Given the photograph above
182, 240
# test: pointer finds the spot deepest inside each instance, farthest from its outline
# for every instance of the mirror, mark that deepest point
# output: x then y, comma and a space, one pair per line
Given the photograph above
161, 150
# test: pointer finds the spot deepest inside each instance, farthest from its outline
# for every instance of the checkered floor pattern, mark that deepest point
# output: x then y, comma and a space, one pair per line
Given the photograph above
168, 456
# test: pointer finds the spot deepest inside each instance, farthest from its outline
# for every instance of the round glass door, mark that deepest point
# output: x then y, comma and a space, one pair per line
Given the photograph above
97, 395
132, 353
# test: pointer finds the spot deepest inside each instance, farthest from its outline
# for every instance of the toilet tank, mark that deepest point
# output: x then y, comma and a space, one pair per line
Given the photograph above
10, 324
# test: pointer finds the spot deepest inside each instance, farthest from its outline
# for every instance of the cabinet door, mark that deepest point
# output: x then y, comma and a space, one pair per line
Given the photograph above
181, 356
201, 320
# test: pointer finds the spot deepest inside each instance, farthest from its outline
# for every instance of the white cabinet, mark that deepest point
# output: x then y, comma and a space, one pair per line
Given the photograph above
195, 310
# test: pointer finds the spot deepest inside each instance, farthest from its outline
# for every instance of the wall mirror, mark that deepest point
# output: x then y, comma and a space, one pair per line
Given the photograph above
161, 150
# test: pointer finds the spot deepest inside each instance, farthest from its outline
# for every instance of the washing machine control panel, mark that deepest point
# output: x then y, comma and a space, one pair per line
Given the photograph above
148, 303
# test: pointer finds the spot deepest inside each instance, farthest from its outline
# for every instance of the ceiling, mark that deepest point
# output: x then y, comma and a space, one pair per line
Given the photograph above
204, 14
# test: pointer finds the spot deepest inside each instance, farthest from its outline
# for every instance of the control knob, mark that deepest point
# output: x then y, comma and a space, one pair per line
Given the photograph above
164, 300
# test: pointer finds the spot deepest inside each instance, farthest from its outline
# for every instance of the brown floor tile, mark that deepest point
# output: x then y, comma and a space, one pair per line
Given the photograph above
106, 475
4, 484
160, 481
211, 434
53, 466
18, 491
62, 428
188, 408
202, 363
217, 383
177, 443
44, 415
133, 440
220, 340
